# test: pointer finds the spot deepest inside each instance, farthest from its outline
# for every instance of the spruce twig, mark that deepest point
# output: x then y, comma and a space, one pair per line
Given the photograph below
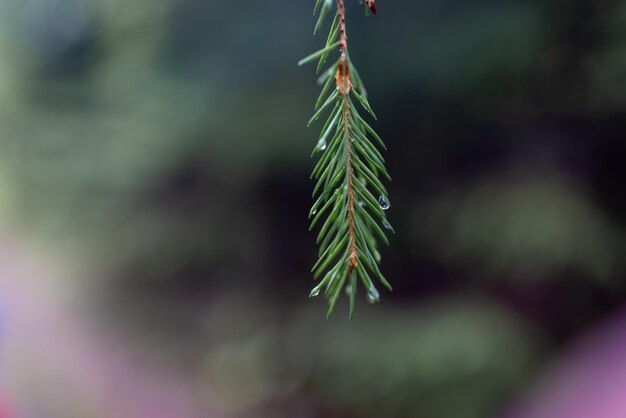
352, 219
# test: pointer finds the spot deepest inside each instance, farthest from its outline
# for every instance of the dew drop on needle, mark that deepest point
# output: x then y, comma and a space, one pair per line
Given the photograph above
383, 202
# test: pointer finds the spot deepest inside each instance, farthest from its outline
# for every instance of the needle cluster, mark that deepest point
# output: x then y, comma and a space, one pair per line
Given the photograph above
351, 199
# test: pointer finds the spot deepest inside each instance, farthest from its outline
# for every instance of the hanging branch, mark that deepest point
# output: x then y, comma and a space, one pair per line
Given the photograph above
347, 173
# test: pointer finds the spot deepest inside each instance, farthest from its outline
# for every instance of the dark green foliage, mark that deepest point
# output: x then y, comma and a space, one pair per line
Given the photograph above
350, 198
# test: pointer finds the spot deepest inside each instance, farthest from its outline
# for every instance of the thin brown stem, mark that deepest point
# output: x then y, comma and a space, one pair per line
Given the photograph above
343, 37
342, 78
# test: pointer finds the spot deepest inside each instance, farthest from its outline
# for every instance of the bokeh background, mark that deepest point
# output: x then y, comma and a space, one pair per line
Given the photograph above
154, 191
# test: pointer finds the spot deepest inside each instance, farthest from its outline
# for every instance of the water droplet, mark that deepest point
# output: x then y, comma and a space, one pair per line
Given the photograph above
348, 290
361, 203
373, 296
387, 225
321, 144
383, 202
314, 211
377, 256
314, 293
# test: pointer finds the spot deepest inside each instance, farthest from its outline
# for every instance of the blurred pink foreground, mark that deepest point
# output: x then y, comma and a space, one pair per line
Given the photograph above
588, 382
53, 364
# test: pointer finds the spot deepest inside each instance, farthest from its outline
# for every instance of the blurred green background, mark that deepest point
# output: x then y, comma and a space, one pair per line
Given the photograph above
156, 154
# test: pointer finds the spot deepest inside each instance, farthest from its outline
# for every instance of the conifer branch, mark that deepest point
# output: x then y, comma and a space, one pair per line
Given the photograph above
347, 173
